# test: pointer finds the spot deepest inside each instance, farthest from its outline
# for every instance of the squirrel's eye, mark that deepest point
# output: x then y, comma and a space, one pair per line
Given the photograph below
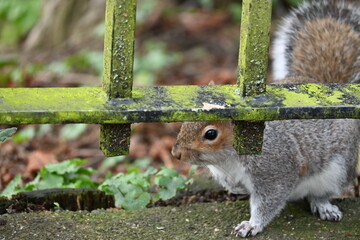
211, 134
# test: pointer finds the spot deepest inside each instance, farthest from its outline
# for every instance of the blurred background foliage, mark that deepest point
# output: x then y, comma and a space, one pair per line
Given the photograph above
59, 43
18, 18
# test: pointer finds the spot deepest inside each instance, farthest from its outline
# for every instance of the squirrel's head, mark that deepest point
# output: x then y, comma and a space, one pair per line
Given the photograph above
197, 141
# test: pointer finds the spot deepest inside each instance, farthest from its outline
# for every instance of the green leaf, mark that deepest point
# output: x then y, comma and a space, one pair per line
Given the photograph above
72, 131
112, 161
150, 171
127, 189
110, 186
155, 197
57, 206
32, 185
12, 187
86, 61
167, 193
43, 129
129, 182
24, 135
68, 166
18, 17
169, 186
6, 133
136, 200
59, 68
82, 181
86, 171
168, 172
142, 163
235, 10
50, 180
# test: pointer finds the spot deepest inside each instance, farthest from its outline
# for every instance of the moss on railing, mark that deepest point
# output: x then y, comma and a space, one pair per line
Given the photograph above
178, 103
118, 69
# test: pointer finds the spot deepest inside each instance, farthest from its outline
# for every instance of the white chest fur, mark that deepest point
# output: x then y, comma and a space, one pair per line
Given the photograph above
233, 177
327, 182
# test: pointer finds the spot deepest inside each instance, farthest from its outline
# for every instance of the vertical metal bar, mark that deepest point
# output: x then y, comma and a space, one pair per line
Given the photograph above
118, 69
252, 68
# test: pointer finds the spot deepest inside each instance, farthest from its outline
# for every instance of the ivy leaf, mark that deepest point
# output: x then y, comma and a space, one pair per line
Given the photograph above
169, 186
128, 190
136, 200
110, 188
50, 180
6, 133
68, 166
138, 179
81, 181
128, 186
13, 187
32, 185
86, 171
167, 193
112, 161
168, 172
131, 191
150, 171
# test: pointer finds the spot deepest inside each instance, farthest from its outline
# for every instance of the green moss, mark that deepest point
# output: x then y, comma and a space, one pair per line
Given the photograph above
252, 66
115, 139
324, 92
292, 98
254, 46
177, 103
118, 68
119, 47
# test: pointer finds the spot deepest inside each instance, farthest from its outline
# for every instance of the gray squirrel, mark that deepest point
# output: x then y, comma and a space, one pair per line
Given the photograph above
313, 159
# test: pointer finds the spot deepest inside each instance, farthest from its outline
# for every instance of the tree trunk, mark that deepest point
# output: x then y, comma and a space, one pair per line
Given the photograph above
69, 23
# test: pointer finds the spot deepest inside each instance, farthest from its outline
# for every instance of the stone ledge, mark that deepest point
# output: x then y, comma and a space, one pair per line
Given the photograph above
192, 221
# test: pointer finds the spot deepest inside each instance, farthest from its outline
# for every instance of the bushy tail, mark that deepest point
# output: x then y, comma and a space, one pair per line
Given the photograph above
319, 41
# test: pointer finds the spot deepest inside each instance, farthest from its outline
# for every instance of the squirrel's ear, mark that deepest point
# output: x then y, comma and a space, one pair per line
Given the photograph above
211, 82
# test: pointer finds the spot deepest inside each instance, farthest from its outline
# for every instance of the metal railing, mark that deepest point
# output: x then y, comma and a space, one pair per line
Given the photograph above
117, 104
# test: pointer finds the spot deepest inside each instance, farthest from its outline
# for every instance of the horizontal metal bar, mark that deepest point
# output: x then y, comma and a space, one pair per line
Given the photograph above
178, 103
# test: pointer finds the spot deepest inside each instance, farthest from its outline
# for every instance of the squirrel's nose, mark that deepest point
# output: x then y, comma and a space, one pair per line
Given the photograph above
175, 152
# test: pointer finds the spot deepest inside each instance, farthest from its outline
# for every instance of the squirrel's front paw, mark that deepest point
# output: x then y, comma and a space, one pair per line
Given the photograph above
246, 229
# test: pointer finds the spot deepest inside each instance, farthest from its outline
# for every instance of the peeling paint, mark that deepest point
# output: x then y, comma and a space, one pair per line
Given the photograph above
209, 106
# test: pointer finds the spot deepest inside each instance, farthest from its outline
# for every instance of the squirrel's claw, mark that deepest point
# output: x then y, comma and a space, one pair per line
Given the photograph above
246, 229
326, 211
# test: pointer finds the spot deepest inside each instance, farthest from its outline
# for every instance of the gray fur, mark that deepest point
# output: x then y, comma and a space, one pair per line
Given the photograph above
313, 159
328, 147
